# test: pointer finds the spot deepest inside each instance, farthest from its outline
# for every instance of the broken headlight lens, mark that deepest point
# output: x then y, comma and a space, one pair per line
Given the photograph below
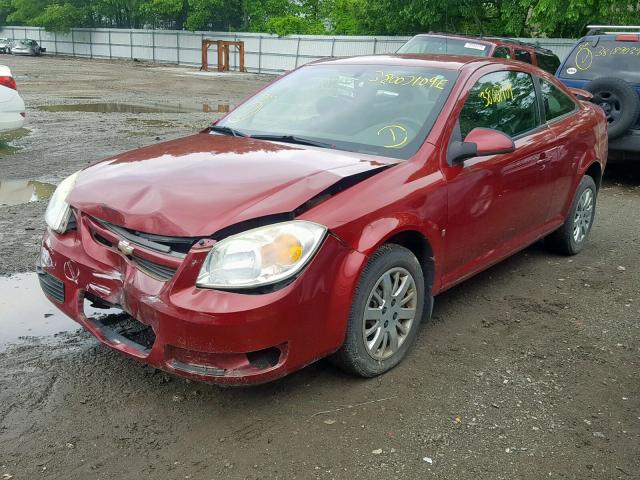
261, 256
58, 211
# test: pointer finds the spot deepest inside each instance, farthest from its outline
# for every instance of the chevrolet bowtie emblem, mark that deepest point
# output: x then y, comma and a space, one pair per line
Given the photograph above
125, 247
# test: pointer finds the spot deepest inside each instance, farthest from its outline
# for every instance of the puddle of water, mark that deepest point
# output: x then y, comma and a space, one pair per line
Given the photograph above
26, 312
132, 108
6, 149
6, 138
16, 192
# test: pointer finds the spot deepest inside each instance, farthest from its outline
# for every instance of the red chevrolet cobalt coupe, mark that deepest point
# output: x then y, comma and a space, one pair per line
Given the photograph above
322, 216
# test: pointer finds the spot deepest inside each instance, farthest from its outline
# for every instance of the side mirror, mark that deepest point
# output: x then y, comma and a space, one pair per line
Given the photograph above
480, 142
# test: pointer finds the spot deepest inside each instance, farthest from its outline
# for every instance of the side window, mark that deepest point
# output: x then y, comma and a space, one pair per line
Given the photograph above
522, 55
548, 62
505, 101
502, 52
556, 102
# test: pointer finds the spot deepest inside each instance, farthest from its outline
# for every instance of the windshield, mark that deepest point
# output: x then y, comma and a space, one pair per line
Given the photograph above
375, 109
445, 46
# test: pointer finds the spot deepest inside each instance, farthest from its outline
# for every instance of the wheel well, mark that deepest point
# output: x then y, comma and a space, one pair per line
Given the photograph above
420, 247
595, 172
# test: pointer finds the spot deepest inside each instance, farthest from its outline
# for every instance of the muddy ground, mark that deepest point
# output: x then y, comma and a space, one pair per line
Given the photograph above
529, 370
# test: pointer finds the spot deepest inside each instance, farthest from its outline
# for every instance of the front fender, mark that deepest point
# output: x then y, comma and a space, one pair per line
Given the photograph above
405, 198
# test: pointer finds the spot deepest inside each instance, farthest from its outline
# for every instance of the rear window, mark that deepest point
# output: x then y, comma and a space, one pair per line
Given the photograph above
599, 57
445, 46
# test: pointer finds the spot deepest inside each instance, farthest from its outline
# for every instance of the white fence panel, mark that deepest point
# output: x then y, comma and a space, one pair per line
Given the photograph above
264, 53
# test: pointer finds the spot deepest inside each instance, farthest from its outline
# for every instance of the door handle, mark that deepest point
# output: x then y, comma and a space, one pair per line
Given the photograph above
542, 159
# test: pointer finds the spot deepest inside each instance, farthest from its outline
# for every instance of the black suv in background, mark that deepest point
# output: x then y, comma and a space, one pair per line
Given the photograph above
447, 44
606, 62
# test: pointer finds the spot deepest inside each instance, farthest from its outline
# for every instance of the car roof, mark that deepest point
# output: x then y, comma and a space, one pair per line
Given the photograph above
605, 36
489, 40
486, 41
447, 62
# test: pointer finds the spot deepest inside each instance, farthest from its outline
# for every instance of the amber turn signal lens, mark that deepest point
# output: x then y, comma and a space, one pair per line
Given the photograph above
285, 250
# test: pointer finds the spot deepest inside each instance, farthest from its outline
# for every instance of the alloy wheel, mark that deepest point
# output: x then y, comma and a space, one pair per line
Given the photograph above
584, 216
390, 313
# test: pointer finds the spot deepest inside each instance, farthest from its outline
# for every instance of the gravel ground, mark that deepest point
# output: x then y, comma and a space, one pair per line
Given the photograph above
528, 370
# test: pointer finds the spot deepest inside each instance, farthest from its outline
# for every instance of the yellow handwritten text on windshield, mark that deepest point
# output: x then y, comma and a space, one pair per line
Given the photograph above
436, 81
399, 135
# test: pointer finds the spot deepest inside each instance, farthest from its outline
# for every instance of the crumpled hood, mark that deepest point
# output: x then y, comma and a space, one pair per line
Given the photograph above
197, 185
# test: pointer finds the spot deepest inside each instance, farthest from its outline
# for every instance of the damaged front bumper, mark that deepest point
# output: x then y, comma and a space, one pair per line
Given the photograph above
165, 321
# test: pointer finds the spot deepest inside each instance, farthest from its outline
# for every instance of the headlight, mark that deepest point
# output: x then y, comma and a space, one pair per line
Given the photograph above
58, 211
261, 256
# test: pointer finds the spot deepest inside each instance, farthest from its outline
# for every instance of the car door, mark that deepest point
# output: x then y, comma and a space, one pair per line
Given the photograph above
496, 203
570, 144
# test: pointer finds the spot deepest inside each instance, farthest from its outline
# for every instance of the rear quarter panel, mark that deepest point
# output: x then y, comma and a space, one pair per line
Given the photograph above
581, 142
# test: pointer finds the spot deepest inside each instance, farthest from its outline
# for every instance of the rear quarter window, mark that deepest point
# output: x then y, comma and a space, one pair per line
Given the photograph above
600, 57
556, 102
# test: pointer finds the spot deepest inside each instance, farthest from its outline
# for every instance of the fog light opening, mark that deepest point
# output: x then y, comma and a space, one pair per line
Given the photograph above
267, 358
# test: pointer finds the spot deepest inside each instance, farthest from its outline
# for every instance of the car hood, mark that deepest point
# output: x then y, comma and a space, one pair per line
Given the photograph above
200, 184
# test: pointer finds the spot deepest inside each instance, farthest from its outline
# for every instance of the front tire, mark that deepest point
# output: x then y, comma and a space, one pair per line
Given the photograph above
385, 314
571, 238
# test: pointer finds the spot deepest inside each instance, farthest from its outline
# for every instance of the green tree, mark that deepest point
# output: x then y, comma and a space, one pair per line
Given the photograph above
214, 15
24, 11
258, 12
568, 18
118, 13
291, 24
344, 16
59, 18
550, 18
165, 13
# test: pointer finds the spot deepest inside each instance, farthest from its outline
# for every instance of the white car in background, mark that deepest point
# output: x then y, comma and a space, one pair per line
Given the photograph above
12, 111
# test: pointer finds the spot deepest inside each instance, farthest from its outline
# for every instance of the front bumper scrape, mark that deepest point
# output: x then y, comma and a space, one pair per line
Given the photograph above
210, 335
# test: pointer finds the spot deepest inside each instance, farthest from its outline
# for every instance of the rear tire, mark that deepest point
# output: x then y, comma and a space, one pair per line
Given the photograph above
385, 314
572, 236
620, 103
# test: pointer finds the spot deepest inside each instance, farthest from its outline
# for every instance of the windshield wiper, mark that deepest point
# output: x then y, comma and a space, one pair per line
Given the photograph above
227, 131
294, 139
